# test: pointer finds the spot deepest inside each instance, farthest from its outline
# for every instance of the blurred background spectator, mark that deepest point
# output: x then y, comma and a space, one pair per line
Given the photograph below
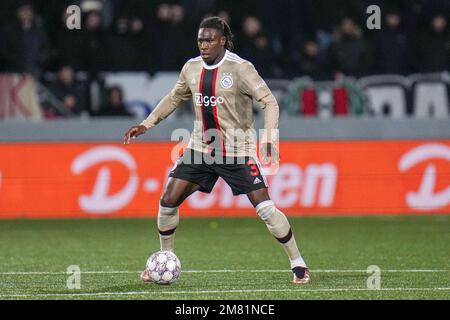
432, 46
114, 105
24, 45
170, 39
68, 91
255, 46
391, 46
94, 44
311, 61
349, 53
68, 45
127, 47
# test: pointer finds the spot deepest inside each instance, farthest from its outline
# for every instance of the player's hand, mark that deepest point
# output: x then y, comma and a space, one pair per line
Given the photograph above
133, 133
269, 151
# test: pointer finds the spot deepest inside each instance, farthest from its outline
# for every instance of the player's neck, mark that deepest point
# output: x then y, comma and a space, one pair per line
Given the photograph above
218, 59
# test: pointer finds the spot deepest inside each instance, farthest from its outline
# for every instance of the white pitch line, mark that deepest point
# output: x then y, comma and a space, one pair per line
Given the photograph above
217, 291
63, 272
387, 270
312, 270
224, 271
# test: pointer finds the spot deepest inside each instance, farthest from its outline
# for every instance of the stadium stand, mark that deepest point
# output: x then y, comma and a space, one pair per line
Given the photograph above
330, 64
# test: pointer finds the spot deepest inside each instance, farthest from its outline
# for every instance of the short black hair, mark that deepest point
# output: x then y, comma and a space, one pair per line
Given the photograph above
220, 25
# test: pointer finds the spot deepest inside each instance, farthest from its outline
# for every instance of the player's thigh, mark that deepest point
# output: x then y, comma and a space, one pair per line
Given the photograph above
199, 172
243, 178
176, 191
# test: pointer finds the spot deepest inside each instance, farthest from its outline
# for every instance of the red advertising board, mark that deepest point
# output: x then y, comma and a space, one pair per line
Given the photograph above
66, 180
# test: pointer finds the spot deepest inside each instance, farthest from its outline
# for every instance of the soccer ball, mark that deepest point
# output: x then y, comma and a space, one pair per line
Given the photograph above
164, 267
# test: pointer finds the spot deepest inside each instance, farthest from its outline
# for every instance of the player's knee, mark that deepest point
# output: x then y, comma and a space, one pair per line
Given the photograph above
266, 209
168, 201
275, 220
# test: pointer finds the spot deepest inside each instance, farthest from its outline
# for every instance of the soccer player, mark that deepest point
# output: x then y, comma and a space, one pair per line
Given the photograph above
222, 86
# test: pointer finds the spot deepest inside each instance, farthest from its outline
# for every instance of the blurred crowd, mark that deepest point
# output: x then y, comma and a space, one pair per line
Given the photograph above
284, 39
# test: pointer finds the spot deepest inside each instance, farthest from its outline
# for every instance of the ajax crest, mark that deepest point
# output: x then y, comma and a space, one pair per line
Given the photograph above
227, 81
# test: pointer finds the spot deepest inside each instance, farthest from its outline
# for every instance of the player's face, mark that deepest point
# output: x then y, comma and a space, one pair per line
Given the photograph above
211, 44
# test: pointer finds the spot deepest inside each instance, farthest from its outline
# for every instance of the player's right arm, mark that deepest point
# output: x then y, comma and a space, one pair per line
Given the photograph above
181, 92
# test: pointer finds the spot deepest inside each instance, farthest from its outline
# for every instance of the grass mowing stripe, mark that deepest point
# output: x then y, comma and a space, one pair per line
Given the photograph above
220, 271
217, 291
226, 254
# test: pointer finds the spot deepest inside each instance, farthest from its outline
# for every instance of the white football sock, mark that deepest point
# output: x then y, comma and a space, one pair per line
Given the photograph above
167, 223
279, 226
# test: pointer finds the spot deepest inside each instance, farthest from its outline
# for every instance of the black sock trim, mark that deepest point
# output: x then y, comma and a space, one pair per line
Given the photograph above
167, 233
286, 238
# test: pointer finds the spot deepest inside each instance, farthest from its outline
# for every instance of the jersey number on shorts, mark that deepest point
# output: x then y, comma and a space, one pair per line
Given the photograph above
254, 171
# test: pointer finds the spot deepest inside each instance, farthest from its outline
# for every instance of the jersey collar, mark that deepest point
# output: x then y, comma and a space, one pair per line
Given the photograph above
218, 64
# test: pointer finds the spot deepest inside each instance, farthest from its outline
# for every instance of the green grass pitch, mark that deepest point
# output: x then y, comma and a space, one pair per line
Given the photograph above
228, 258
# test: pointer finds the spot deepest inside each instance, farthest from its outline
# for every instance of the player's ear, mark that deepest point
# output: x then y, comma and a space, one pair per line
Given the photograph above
223, 40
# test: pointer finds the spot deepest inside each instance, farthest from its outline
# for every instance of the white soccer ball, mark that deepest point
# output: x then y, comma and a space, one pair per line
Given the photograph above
164, 267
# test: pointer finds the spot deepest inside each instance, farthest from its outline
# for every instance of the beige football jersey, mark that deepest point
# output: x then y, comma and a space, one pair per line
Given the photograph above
222, 97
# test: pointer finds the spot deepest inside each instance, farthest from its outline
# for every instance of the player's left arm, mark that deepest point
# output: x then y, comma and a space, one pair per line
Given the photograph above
253, 85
